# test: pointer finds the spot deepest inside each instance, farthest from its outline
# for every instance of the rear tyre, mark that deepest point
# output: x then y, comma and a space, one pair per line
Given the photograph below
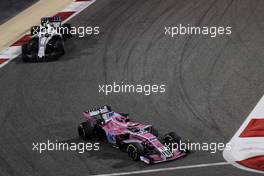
25, 57
135, 150
85, 130
99, 132
30, 50
59, 46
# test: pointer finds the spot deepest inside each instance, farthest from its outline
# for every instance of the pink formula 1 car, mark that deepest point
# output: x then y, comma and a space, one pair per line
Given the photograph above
138, 140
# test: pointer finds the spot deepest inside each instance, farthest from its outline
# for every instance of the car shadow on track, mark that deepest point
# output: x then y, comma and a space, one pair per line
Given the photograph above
107, 152
80, 47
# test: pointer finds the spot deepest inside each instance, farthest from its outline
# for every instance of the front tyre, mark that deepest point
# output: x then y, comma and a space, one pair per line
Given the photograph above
30, 50
172, 138
135, 150
66, 31
54, 48
59, 46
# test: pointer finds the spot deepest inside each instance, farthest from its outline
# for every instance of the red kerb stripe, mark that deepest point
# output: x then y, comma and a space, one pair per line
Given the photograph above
22, 40
2, 60
64, 15
256, 163
255, 128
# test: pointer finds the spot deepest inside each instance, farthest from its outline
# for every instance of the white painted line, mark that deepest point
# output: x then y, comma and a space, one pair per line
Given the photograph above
165, 169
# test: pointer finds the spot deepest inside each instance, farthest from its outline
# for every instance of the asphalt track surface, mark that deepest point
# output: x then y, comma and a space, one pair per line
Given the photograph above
212, 85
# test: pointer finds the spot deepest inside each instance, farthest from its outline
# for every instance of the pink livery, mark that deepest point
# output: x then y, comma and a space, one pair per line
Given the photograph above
140, 141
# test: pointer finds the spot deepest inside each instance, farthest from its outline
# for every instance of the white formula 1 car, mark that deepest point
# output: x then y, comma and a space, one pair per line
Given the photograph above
47, 40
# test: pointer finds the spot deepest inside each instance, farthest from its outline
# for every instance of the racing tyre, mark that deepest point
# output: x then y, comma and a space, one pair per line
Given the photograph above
85, 130
59, 46
171, 138
30, 50
99, 132
55, 48
135, 150
65, 31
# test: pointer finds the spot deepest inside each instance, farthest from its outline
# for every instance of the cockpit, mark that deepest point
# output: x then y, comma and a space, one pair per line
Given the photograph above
122, 119
134, 129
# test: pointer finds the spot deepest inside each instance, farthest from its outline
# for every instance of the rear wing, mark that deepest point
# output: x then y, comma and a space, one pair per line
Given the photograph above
98, 111
51, 19
54, 20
